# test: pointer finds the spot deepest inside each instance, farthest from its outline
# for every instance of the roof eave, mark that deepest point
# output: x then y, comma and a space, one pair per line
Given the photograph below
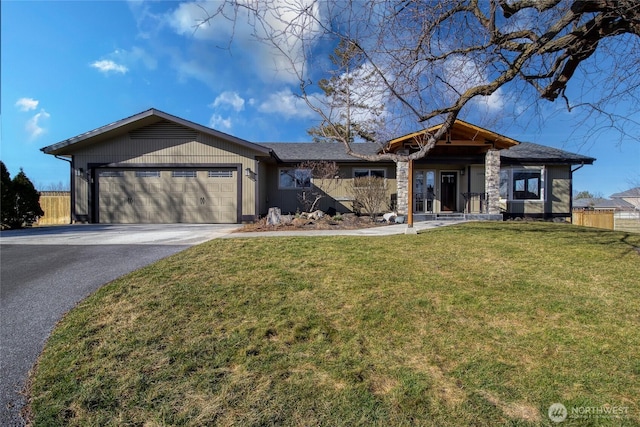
532, 161
55, 148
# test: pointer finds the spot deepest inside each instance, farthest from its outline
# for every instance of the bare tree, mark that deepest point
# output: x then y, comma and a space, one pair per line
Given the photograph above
369, 195
398, 65
325, 180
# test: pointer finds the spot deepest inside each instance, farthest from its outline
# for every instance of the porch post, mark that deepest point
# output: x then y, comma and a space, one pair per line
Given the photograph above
492, 181
410, 196
402, 180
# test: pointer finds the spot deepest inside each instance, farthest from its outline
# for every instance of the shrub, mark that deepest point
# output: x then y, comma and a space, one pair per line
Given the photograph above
369, 195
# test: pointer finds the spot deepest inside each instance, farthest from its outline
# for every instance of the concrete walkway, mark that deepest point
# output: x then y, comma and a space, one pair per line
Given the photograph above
385, 230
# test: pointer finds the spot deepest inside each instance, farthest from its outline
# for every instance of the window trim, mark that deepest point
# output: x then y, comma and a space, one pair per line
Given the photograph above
294, 180
511, 174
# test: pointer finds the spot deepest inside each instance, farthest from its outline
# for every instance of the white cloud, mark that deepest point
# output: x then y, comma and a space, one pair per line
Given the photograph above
27, 104
218, 122
34, 125
284, 102
106, 66
294, 23
228, 98
133, 56
464, 73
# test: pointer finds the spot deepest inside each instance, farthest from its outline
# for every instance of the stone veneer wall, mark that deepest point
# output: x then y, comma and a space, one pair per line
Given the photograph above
492, 181
402, 179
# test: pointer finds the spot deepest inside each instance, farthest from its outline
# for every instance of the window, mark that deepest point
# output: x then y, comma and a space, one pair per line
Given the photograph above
527, 185
522, 184
183, 174
295, 178
366, 173
504, 183
220, 174
112, 174
147, 174
359, 173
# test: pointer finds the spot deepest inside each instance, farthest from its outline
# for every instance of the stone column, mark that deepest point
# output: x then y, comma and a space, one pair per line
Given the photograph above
492, 181
402, 179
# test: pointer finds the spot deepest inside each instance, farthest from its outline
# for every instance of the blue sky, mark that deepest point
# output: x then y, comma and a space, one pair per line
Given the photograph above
70, 67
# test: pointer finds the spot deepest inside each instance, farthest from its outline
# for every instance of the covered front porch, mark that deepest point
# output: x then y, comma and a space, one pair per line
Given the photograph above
447, 193
458, 179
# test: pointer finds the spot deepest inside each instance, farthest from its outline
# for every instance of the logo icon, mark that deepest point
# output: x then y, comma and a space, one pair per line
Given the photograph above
557, 412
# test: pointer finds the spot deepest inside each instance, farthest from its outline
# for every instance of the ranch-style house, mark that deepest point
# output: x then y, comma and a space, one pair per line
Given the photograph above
154, 167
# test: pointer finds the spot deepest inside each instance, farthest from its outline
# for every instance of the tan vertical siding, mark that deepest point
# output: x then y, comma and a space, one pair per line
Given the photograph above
338, 197
178, 151
558, 189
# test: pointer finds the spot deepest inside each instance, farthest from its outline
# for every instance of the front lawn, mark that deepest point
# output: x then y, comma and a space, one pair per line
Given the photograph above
480, 324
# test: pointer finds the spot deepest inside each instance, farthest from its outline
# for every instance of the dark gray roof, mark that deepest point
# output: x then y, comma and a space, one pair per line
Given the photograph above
530, 152
301, 151
634, 192
521, 153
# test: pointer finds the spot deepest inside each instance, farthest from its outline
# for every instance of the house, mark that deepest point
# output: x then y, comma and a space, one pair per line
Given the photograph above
632, 197
154, 167
600, 204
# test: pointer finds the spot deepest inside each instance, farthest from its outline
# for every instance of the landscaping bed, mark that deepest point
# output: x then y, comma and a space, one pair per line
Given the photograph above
347, 221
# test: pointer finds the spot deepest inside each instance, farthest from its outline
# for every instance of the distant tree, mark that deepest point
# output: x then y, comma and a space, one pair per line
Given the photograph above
26, 204
8, 196
583, 195
59, 186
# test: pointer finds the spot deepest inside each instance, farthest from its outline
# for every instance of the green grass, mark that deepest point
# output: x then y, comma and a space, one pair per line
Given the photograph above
481, 324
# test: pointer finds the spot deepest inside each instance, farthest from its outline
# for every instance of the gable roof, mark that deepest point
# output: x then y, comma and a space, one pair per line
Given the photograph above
318, 151
530, 152
138, 121
460, 130
634, 192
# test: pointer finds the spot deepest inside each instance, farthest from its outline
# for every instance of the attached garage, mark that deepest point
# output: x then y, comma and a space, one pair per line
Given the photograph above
178, 195
157, 168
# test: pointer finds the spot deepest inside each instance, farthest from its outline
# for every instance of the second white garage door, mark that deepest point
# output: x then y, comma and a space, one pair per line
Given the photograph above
168, 196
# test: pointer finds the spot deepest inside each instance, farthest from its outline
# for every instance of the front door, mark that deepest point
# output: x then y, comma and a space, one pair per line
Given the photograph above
448, 191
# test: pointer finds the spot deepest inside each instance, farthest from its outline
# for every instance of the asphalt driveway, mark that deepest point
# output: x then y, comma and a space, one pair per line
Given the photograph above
44, 272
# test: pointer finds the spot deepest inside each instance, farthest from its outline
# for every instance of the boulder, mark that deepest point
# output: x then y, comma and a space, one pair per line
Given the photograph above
315, 215
274, 216
389, 217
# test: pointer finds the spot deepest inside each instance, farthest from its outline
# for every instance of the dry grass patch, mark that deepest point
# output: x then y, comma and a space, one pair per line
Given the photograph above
482, 324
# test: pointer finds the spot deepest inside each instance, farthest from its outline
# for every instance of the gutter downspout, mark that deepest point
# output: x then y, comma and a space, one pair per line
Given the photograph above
71, 189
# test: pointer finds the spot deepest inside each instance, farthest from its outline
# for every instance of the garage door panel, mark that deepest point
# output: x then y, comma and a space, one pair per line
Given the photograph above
132, 196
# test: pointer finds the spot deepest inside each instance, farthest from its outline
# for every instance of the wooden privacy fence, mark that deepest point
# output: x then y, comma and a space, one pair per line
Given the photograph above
593, 218
56, 206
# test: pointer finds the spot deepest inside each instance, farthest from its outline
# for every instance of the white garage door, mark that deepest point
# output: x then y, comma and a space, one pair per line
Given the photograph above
167, 196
